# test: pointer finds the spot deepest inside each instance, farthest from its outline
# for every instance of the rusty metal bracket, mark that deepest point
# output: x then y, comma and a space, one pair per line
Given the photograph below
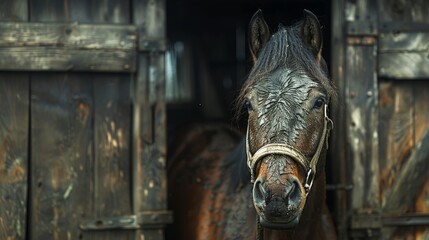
366, 226
131, 222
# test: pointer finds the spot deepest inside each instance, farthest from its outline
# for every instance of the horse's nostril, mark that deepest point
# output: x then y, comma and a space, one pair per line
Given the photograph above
260, 193
293, 192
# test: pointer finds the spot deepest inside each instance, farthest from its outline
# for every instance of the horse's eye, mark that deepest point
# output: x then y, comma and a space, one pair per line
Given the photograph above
319, 103
248, 105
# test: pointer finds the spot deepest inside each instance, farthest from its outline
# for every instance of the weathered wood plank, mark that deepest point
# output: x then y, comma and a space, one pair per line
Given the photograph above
49, 10
404, 65
404, 11
395, 129
14, 134
149, 141
421, 120
362, 118
14, 125
361, 96
337, 139
14, 11
410, 179
69, 35
112, 108
150, 16
61, 153
95, 11
149, 146
404, 42
59, 59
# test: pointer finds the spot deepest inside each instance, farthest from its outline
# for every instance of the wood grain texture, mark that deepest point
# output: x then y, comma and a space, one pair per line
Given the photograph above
404, 65
396, 130
14, 11
150, 16
403, 55
361, 96
14, 125
61, 153
149, 141
338, 138
112, 109
69, 35
362, 117
149, 136
405, 11
112, 112
14, 138
60, 59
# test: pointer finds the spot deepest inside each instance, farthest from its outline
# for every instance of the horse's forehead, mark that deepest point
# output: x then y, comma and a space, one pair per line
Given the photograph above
291, 85
282, 103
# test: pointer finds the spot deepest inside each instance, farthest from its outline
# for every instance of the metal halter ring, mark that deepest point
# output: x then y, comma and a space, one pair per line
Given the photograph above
309, 181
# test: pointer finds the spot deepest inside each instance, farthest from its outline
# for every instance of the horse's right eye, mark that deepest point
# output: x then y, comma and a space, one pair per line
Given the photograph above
248, 105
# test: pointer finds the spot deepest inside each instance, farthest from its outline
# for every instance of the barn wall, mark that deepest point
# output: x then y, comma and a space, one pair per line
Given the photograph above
82, 118
382, 74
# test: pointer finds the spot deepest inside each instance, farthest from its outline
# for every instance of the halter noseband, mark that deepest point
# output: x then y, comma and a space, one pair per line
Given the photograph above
284, 149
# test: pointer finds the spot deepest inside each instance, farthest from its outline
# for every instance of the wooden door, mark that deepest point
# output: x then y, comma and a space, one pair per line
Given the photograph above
381, 67
82, 119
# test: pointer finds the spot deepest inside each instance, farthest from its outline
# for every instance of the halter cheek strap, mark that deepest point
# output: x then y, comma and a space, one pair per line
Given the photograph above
290, 151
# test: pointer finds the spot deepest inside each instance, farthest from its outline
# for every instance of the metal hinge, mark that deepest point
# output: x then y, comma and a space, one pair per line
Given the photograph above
153, 219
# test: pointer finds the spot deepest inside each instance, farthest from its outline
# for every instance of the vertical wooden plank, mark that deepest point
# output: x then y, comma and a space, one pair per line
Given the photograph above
96, 11
362, 113
112, 118
61, 153
14, 135
49, 10
405, 11
337, 151
361, 97
110, 172
14, 125
62, 143
14, 11
408, 124
421, 121
112, 109
396, 134
362, 117
396, 130
149, 145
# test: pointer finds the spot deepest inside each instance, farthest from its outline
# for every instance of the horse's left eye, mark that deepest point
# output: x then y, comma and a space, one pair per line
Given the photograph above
319, 103
248, 105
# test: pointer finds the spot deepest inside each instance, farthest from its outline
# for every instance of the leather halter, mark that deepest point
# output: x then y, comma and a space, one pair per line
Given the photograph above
290, 151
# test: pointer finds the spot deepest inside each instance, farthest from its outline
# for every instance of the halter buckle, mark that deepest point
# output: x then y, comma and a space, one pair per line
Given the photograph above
309, 181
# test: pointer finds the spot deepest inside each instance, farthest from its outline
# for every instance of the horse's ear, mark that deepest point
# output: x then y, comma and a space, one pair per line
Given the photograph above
259, 33
312, 33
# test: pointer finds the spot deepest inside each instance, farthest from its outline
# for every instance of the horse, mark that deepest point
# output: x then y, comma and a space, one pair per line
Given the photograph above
270, 183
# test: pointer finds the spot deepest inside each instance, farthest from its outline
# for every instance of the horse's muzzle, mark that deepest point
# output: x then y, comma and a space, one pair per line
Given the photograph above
279, 206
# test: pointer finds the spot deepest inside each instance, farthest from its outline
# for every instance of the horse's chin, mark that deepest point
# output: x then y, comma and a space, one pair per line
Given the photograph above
293, 222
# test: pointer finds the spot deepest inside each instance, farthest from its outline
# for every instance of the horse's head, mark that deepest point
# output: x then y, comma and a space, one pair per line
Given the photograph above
286, 95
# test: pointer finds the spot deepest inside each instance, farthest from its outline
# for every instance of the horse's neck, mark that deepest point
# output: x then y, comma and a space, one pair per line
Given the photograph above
310, 225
